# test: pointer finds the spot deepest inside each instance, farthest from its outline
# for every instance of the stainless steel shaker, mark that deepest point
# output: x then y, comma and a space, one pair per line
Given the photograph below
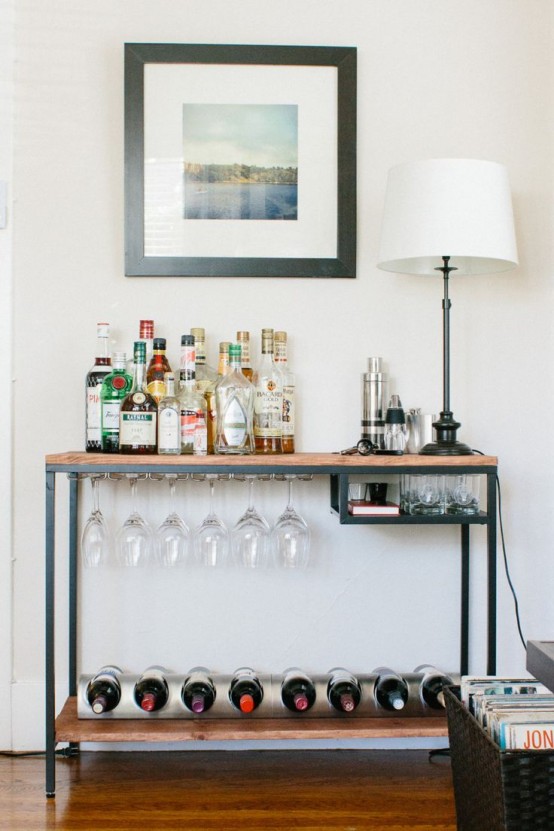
373, 397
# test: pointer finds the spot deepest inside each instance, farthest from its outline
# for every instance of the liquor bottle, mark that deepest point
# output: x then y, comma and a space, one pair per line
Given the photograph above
169, 420
289, 399
223, 361
243, 338
234, 403
198, 691
343, 690
391, 691
115, 386
194, 432
297, 691
246, 692
139, 411
151, 692
156, 370
268, 400
146, 334
104, 690
94, 379
206, 379
432, 684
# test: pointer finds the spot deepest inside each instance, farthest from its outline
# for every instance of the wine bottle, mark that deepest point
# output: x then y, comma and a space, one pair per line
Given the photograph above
139, 411
245, 691
94, 379
391, 691
198, 691
343, 690
104, 690
115, 386
297, 691
151, 691
432, 684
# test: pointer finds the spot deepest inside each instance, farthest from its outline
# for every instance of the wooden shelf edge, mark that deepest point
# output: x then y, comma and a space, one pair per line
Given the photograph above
69, 728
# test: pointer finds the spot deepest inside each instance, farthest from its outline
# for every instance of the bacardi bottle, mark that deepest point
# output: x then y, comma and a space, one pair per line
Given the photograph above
138, 415
268, 401
94, 379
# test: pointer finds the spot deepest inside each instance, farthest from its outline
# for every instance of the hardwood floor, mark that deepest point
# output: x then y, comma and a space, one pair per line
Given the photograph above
344, 790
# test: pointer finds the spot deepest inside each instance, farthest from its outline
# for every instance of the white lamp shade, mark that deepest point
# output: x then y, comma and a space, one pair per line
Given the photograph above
460, 208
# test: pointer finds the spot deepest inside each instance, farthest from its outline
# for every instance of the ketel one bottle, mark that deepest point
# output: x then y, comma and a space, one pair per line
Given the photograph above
198, 692
297, 691
246, 692
391, 690
432, 684
234, 399
94, 379
343, 691
155, 374
151, 692
139, 411
104, 690
194, 431
115, 386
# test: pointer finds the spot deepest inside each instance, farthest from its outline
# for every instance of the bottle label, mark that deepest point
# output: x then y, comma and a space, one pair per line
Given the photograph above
93, 413
268, 409
110, 416
157, 390
235, 424
168, 430
288, 410
138, 428
200, 447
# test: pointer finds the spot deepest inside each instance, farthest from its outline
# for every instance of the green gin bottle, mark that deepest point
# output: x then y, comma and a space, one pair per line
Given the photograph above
115, 387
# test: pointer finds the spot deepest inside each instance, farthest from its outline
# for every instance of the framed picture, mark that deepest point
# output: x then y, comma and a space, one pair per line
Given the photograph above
240, 160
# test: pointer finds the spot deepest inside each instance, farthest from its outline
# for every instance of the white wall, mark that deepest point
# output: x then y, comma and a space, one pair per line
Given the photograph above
436, 78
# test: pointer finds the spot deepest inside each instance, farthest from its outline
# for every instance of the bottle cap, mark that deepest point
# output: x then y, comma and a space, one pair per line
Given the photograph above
243, 335
395, 413
235, 351
347, 703
103, 330
246, 703
146, 329
197, 704
280, 336
301, 702
198, 333
139, 352
187, 340
159, 343
148, 702
99, 704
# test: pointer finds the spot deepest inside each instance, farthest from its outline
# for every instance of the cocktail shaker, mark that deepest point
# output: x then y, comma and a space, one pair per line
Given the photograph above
373, 397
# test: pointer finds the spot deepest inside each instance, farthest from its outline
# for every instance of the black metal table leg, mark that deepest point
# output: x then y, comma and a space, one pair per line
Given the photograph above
464, 603
491, 572
49, 635
73, 588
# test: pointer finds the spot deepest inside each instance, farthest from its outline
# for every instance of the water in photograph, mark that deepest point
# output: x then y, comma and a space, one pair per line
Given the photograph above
221, 200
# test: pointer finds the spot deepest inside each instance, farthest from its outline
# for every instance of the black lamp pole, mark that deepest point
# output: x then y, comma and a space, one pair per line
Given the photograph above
446, 426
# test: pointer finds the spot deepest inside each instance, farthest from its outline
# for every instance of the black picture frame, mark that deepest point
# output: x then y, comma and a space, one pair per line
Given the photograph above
344, 59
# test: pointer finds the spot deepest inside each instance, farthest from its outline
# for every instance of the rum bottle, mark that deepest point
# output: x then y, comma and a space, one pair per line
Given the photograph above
139, 411
116, 385
268, 400
169, 420
289, 405
157, 368
234, 401
94, 379
194, 431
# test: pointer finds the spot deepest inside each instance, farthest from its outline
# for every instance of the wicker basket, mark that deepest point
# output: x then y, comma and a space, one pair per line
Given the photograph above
496, 790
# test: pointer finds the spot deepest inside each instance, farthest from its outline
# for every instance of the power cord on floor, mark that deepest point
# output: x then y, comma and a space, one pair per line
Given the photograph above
64, 752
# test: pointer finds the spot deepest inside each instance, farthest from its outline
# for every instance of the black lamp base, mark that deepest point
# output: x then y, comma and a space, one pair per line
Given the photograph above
446, 444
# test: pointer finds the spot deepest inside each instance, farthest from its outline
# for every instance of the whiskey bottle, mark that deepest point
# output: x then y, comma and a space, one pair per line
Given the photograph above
206, 379
268, 400
94, 379
194, 431
157, 368
243, 338
289, 401
169, 420
234, 400
138, 414
115, 386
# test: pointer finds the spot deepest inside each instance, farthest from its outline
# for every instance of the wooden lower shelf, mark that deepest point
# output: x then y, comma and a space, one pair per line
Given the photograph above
69, 728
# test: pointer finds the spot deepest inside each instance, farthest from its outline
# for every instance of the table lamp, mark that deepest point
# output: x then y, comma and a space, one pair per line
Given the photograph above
452, 216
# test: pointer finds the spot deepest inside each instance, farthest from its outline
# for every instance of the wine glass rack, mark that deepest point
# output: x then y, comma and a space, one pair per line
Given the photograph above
67, 727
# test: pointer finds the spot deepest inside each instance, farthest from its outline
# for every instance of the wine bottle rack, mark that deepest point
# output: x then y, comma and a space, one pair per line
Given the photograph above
271, 706
68, 727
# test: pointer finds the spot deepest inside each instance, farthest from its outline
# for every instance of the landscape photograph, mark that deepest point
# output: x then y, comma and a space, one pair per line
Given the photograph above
240, 161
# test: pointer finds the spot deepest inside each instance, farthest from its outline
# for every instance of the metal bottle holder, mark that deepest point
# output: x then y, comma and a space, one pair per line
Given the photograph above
270, 707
